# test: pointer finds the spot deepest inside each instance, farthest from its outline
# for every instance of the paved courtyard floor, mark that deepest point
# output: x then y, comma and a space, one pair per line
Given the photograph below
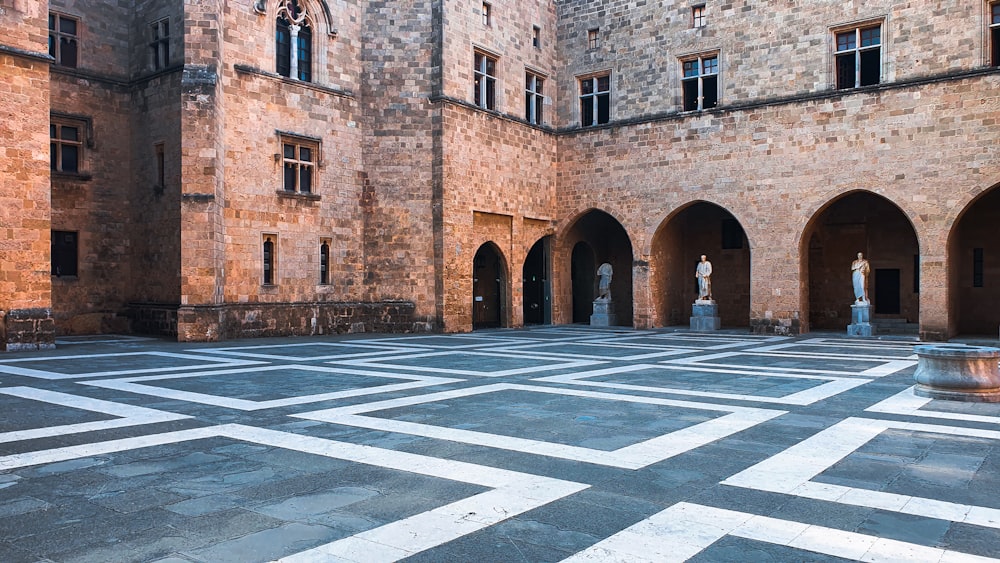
548, 444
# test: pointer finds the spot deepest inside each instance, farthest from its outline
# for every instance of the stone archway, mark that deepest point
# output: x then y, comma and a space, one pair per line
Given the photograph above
700, 228
974, 267
594, 238
489, 288
871, 224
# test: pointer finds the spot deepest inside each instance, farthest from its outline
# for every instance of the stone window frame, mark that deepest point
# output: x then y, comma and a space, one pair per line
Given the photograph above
536, 36
701, 74
65, 254
325, 244
159, 43
293, 160
593, 38
82, 144
487, 14
993, 33
485, 86
698, 16
595, 98
269, 259
289, 61
57, 37
534, 97
849, 45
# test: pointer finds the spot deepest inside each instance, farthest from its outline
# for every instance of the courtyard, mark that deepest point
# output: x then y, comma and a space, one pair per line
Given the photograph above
555, 443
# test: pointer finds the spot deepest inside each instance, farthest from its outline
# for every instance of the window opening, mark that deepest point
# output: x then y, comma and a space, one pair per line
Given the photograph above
324, 263
485, 81
64, 253
65, 146
269, 260
63, 39
700, 82
533, 98
995, 34
487, 14
593, 39
698, 16
160, 44
293, 41
859, 57
595, 100
299, 164
536, 36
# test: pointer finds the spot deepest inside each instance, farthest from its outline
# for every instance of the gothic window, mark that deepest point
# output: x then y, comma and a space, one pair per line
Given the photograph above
293, 41
63, 39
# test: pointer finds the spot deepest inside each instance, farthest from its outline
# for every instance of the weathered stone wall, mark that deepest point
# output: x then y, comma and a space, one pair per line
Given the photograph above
25, 206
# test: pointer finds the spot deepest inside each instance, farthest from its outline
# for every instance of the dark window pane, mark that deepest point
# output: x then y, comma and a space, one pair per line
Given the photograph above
871, 36
52, 22
710, 92
711, 66
53, 156
690, 95
289, 151
490, 94
603, 108
977, 267
538, 85
871, 62
527, 106
69, 133
67, 52
289, 177
67, 26
52, 131
477, 62
491, 66
305, 54
268, 262
165, 26
64, 253
283, 47
52, 46
845, 71
70, 158
587, 86
995, 40
603, 83
477, 88
690, 68
305, 179
305, 154
587, 111
846, 41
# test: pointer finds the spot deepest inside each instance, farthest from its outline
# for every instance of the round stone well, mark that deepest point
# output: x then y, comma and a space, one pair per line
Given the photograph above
957, 372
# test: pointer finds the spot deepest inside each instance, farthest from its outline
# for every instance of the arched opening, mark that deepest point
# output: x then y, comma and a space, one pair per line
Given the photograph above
536, 288
489, 288
677, 246
974, 266
596, 238
867, 223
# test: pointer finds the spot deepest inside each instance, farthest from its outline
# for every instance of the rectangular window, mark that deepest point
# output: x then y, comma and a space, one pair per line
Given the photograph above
270, 247
299, 164
485, 83
536, 36
63, 39
977, 267
66, 145
698, 16
595, 100
160, 168
324, 262
700, 82
159, 45
64, 253
593, 38
995, 34
859, 57
487, 14
533, 98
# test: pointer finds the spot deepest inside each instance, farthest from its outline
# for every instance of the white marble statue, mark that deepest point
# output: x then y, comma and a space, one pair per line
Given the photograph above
604, 272
859, 278
704, 275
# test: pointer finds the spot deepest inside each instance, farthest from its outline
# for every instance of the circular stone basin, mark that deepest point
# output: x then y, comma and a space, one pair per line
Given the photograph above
958, 373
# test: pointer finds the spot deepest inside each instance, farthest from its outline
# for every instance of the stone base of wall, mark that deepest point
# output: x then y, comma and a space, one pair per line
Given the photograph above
778, 327
254, 320
27, 329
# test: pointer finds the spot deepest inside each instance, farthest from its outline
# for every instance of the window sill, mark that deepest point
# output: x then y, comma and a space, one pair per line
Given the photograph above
296, 195
72, 176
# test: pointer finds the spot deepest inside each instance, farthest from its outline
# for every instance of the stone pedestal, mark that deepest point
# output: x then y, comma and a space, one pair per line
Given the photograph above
958, 373
604, 313
861, 314
705, 315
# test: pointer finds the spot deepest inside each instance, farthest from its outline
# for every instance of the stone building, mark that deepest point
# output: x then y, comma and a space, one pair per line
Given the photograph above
270, 167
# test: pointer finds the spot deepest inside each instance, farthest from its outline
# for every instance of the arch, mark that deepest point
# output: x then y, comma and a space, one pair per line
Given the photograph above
605, 240
536, 284
489, 288
974, 267
293, 45
866, 222
700, 227
260, 7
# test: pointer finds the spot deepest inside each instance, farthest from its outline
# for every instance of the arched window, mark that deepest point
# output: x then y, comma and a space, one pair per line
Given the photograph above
293, 41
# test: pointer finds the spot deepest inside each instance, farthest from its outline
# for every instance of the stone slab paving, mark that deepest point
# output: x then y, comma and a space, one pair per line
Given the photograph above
544, 444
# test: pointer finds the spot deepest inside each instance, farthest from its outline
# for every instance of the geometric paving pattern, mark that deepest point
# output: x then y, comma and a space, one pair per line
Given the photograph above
557, 443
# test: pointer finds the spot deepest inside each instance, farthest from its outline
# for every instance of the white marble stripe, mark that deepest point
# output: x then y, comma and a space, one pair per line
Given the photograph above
50, 375
387, 361
906, 403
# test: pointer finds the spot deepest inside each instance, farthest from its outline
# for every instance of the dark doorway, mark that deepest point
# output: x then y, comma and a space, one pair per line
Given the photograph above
584, 270
974, 267
536, 288
887, 291
487, 288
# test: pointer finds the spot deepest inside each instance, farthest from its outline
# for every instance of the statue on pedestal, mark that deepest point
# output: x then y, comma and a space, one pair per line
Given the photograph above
604, 272
704, 274
859, 278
